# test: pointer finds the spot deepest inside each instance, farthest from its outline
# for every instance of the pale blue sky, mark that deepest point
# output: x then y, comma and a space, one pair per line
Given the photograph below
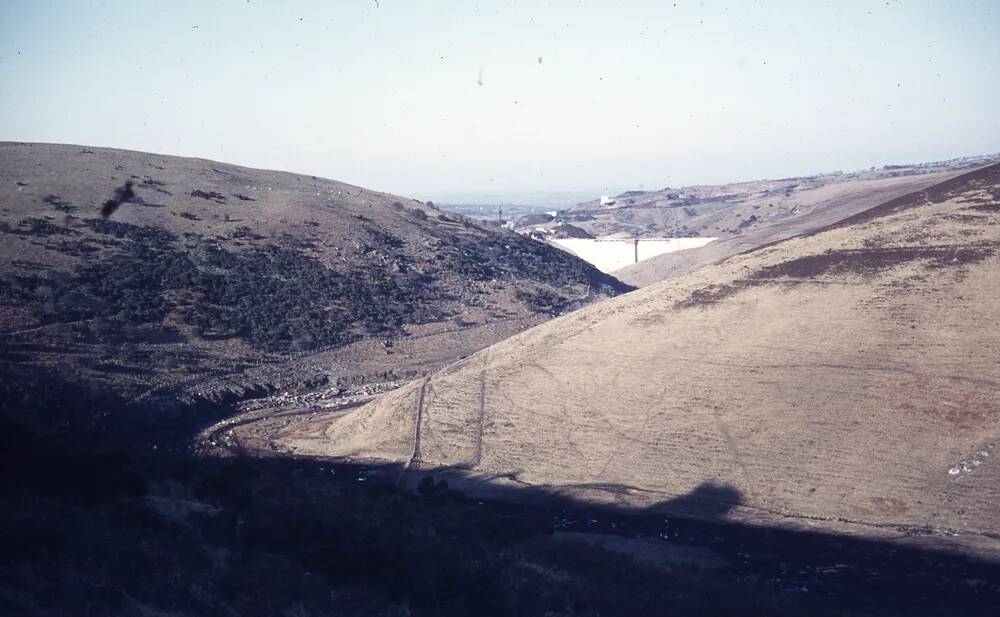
626, 94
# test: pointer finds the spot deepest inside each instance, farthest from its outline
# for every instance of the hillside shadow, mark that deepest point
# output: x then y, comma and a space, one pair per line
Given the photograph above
708, 500
74, 495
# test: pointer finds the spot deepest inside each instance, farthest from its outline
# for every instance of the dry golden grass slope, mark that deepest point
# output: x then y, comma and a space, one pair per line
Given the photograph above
804, 210
847, 377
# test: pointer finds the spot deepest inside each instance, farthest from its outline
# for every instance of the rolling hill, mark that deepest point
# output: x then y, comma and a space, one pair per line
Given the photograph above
847, 378
211, 272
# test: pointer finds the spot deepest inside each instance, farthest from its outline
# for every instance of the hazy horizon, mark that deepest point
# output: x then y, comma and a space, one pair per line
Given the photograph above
466, 101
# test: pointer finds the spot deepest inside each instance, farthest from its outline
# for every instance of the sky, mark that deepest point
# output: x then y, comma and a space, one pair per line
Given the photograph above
509, 101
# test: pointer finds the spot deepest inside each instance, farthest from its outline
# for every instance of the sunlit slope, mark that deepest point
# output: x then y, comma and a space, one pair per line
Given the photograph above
852, 375
804, 210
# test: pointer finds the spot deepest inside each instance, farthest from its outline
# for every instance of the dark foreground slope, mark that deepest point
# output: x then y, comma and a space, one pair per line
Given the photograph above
212, 270
846, 379
90, 530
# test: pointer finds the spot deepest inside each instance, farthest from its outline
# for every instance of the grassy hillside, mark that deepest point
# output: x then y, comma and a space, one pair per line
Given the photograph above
845, 379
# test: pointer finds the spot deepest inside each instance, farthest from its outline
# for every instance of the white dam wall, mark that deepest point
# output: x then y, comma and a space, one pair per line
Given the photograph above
610, 254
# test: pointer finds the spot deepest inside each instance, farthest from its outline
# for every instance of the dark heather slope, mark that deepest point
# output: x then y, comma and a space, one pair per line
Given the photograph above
211, 268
